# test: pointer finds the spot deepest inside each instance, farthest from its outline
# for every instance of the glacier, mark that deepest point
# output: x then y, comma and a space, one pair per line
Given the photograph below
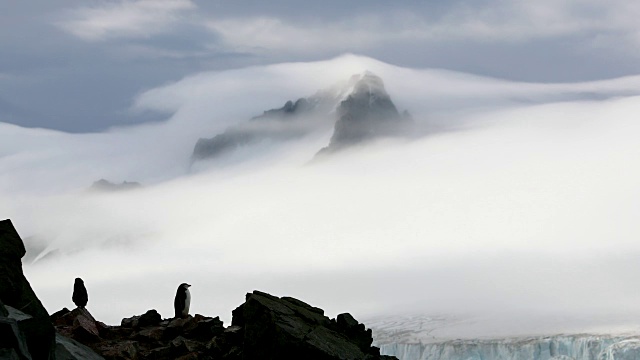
504, 338
559, 347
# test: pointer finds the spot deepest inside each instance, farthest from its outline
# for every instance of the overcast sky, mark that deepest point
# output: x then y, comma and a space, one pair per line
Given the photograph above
77, 65
528, 204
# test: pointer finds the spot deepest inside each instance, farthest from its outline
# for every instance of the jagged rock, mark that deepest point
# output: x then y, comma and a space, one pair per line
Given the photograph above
131, 322
3, 310
359, 109
181, 346
85, 329
179, 326
60, 317
276, 328
78, 324
355, 331
367, 113
150, 335
13, 344
205, 328
69, 349
288, 122
15, 291
264, 327
121, 350
164, 352
150, 318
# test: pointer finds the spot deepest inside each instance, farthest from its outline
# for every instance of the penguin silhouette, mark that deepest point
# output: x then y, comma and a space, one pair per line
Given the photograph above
182, 301
80, 296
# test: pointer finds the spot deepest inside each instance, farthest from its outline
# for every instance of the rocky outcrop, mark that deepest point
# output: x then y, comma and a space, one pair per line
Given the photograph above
288, 122
287, 328
103, 185
13, 343
264, 327
16, 293
359, 109
366, 114
69, 349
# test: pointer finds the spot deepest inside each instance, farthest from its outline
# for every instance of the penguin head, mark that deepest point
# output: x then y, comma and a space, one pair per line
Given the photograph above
79, 281
185, 286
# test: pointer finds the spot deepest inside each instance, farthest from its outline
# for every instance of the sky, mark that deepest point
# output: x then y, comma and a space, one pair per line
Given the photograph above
520, 198
76, 65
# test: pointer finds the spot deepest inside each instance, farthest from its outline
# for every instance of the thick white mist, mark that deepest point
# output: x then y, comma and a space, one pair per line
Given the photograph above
525, 200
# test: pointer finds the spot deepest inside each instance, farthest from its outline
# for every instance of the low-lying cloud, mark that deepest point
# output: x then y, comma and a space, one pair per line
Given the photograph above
529, 204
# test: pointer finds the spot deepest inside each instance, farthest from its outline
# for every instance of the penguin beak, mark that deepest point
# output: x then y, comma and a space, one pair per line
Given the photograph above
188, 285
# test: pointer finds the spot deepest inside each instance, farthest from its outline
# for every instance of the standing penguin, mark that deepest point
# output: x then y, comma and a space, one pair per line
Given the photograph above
80, 296
182, 301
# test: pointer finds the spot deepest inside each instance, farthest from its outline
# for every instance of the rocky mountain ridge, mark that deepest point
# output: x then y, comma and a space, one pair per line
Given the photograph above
359, 110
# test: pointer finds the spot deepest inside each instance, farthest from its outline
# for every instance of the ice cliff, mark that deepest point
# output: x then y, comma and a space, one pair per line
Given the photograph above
565, 347
506, 337
559, 347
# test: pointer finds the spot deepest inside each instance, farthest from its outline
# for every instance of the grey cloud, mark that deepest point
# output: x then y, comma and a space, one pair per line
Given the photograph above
125, 19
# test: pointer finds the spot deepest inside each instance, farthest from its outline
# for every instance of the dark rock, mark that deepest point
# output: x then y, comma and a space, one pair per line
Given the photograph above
15, 291
355, 331
3, 310
150, 335
181, 346
367, 113
69, 349
9, 354
103, 185
150, 318
60, 317
122, 350
276, 328
292, 121
272, 328
191, 356
359, 109
164, 352
131, 322
85, 329
205, 328
13, 343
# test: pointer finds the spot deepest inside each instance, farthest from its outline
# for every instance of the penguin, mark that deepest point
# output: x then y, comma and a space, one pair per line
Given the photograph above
80, 296
182, 301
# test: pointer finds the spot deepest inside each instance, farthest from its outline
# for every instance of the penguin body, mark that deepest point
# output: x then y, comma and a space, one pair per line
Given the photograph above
80, 296
182, 301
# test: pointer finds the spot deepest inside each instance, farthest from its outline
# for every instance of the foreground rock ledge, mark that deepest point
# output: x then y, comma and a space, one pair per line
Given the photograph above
264, 327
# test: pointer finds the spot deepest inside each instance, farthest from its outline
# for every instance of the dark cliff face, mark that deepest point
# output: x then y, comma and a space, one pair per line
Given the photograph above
359, 109
16, 293
293, 120
367, 113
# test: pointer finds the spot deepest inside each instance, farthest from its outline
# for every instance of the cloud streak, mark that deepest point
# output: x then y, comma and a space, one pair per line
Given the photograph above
501, 21
125, 19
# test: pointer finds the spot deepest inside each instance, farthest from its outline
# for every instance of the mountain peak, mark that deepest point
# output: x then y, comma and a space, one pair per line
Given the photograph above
359, 109
366, 113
